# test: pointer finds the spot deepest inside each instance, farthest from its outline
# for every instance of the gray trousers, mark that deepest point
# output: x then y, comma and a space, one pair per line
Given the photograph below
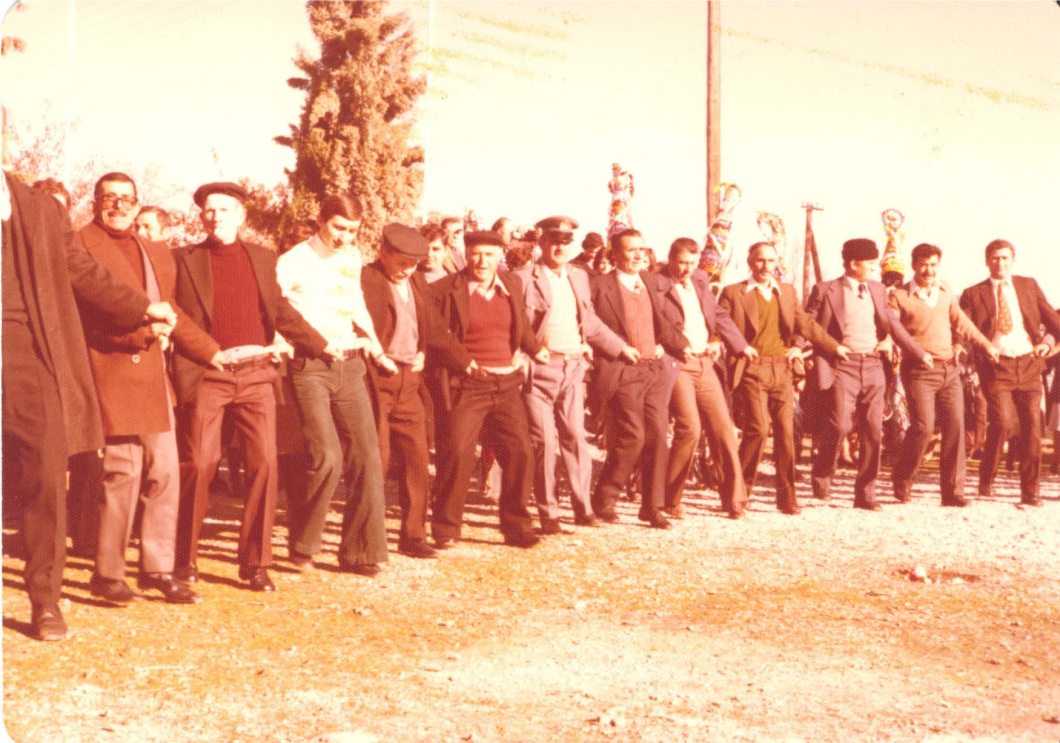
556, 402
139, 468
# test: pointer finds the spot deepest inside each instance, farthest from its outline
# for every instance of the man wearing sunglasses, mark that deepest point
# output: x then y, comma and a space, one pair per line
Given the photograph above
560, 311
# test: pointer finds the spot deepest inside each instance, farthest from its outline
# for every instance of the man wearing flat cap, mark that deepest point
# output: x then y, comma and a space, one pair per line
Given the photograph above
560, 311
228, 287
398, 299
481, 379
854, 310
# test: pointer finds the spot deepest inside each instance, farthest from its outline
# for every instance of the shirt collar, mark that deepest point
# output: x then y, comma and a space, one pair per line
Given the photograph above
628, 280
854, 283
771, 286
915, 289
498, 285
1000, 282
323, 250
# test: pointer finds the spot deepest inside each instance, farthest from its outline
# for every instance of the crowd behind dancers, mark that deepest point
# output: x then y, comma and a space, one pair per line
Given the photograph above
114, 342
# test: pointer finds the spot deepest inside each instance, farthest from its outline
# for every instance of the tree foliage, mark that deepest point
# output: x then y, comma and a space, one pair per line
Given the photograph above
356, 123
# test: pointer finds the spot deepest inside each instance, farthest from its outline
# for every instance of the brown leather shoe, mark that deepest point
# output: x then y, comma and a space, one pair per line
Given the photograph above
522, 540
173, 591
259, 579
48, 623
114, 591
550, 527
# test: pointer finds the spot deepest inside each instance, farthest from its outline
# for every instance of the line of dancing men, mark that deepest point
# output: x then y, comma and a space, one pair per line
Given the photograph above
431, 342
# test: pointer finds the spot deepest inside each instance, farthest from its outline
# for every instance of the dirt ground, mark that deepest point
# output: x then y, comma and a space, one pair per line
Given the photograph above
773, 628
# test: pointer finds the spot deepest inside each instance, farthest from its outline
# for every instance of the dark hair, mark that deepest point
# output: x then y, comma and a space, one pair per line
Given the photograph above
600, 257
343, 205
757, 246
431, 232
164, 220
518, 255
451, 220
499, 223
995, 245
297, 232
683, 245
54, 187
618, 237
112, 178
923, 251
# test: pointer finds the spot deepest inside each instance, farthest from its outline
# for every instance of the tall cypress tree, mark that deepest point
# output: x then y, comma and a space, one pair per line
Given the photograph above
353, 135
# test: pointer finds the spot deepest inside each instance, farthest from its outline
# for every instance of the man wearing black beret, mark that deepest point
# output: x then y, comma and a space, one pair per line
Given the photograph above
229, 288
481, 379
854, 310
398, 299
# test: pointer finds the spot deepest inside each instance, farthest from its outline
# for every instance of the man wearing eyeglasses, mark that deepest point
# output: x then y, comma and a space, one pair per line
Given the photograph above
561, 314
136, 400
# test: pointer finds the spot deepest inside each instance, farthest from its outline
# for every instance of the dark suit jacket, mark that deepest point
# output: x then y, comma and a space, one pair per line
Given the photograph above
451, 302
718, 321
607, 300
58, 278
379, 299
795, 324
826, 305
129, 368
979, 303
194, 294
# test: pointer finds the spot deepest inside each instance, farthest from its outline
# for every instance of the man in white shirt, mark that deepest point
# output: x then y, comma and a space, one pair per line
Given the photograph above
1011, 311
322, 279
561, 314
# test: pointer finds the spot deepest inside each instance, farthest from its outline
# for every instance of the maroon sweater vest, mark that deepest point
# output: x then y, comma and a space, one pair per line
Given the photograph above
639, 320
236, 319
488, 338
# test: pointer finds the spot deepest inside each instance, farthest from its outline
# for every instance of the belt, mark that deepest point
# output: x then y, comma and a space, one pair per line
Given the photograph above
559, 356
699, 355
862, 356
770, 360
349, 353
1017, 358
248, 363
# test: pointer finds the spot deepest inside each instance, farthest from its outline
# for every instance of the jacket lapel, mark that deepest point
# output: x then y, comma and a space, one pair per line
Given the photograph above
750, 307
461, 302
197, 260
614, 298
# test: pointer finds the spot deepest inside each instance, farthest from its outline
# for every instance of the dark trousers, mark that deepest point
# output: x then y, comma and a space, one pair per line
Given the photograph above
83, 497
1013, 392
638, 416
495, 401
765, 395
401, 425
247, 396
927, 391
698, 402
340, 431
34, 479
856, 397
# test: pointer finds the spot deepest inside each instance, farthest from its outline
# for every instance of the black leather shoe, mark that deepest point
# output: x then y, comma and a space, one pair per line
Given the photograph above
902, 496
821, 493
48, 623
589, 521
114, 591
549, 526
675, 512
608, 516
1032, 500
736, 514
368, 571
417, 548
172, 590
868, 505
187, 573
522, 540
446, 543
957, 503
259, 579
658, 520
793, 510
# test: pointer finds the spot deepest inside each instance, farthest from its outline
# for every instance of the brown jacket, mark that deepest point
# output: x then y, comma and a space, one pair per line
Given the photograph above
129, 369
742, 306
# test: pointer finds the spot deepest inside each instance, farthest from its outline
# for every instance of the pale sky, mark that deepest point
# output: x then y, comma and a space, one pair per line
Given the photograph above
945, 111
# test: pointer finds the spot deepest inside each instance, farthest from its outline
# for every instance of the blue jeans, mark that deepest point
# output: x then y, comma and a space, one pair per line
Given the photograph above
340, 432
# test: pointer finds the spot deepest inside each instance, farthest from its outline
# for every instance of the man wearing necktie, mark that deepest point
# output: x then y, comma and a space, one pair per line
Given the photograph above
1011, 311
854, 311
562, 317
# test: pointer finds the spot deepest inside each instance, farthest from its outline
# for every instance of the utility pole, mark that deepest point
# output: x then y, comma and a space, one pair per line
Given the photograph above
713, 105
809, 252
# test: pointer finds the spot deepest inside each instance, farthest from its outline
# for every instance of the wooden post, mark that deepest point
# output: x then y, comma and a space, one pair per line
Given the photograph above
810, 256
713, 105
